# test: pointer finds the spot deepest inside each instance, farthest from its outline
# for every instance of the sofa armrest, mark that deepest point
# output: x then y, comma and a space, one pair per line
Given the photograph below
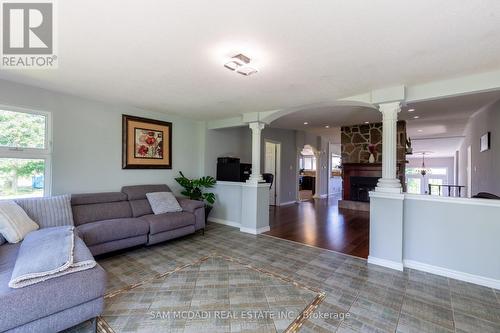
189, 205
195, 207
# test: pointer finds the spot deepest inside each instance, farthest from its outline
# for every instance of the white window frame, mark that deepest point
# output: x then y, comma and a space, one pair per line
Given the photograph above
34, 153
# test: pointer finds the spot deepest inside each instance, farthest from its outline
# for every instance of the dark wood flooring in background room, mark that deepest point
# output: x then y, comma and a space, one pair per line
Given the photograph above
321, 223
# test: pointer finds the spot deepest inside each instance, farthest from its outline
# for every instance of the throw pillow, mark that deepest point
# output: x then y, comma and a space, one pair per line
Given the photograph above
14, 222
163, 202
50, 211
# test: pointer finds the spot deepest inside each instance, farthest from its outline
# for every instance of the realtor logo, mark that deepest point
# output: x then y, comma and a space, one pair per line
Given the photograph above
28, 35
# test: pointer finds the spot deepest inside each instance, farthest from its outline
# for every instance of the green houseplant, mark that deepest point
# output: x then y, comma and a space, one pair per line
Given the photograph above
193, 189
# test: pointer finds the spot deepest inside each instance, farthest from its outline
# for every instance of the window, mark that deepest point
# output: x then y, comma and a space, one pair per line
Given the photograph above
336, 162
308, 163
413, 185
24, 153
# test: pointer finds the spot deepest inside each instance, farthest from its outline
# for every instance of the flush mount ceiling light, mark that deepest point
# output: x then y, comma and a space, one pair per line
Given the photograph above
411, 110
327, 126
239, 64
246, 70
306, 123
416, 117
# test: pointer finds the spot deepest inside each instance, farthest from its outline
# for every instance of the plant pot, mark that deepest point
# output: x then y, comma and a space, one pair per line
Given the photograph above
208, 209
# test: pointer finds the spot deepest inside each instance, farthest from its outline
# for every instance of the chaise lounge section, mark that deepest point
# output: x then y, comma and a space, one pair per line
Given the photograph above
48, 306
106, 222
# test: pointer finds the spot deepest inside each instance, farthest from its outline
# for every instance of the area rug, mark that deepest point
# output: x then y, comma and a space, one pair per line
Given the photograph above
213, 294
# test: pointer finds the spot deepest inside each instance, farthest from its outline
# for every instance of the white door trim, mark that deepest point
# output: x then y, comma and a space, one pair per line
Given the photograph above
277, 176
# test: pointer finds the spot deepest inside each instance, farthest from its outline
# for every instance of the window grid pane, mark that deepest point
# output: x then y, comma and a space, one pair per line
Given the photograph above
22, 130
21, 178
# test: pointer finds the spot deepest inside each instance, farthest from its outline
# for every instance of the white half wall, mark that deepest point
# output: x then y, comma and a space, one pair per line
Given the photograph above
453, 237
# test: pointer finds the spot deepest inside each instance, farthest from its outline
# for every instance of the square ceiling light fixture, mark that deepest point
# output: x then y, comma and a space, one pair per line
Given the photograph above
239, 64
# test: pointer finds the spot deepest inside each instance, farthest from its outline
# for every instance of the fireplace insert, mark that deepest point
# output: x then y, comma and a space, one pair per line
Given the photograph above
361, 186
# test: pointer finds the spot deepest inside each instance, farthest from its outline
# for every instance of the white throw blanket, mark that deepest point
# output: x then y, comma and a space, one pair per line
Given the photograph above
49, 253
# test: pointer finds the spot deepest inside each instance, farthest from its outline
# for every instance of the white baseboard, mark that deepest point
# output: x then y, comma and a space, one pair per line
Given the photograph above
288, 203
386, 263
225, 222
237, 225
476, 279
255, 231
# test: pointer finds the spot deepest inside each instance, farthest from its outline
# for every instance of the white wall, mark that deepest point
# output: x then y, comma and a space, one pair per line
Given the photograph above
457, 237
334, 183
289, 173
485, 165
227, 142
436, 162
87, 141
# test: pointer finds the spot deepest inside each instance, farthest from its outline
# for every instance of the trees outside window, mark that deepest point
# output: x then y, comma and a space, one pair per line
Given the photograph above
24, 153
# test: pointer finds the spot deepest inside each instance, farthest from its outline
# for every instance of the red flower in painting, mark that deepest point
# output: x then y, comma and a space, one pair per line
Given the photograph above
143, 150
150, 140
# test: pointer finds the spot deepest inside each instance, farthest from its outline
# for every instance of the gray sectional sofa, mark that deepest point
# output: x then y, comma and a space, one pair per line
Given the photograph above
106, 222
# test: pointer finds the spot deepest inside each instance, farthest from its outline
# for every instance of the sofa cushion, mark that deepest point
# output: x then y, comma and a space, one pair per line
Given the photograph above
140, 207
138, 192
93, 198
110, 230
23, 305
168, 221
101, 211
50, 211
15, 224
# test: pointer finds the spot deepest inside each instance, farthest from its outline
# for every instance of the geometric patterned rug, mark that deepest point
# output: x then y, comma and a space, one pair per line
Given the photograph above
212, 294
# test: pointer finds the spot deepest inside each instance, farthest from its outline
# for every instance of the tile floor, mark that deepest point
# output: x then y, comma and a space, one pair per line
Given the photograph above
376, 299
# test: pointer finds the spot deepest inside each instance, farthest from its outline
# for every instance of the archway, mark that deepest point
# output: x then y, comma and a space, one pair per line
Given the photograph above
308, 178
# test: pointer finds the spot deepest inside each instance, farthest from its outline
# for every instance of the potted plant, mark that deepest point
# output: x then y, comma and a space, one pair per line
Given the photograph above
193, 189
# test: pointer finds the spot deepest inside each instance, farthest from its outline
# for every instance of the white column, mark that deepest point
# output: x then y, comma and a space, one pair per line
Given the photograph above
256, 128
389, 182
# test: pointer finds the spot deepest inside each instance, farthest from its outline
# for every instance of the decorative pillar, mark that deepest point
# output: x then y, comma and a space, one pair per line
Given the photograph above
256, 176
389, 181
255, 194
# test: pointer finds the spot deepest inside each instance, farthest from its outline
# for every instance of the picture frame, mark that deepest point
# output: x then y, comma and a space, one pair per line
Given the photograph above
485, 142
146, 143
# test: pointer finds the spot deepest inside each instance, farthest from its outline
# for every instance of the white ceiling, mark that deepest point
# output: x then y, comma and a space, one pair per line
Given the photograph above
441, 123
438, 130
167, 55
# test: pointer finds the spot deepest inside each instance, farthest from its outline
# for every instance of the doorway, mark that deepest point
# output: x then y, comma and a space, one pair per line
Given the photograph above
272, 166
308, 173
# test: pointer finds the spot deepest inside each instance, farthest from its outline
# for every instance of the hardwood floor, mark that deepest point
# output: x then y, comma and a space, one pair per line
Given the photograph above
321, 223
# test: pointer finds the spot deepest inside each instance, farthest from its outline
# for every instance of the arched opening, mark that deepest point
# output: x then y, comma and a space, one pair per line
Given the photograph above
308, 158
316, 219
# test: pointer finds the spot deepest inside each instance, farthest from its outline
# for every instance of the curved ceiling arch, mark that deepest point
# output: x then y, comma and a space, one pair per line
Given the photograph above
273, 116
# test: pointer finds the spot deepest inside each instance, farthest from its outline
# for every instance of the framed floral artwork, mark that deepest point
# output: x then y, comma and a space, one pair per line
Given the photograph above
147, 143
